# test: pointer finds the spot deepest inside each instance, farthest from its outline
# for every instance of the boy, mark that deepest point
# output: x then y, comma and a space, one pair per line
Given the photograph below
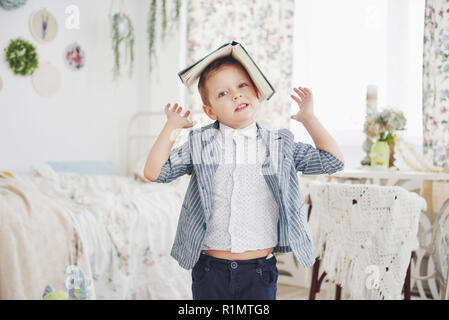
237, 212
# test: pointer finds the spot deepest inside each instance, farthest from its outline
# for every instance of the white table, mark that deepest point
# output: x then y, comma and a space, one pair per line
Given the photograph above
410, 180
386, 174
414, 181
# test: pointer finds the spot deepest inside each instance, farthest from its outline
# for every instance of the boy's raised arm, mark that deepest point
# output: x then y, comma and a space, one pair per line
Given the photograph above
160, 151
321, 137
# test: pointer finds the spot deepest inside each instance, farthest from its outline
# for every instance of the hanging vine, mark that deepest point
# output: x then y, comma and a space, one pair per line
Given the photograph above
152, 31
122, 31
152, 22
164, 17
178, 9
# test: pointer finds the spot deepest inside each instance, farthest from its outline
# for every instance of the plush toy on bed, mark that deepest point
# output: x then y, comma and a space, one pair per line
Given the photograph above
76, 283
51, 294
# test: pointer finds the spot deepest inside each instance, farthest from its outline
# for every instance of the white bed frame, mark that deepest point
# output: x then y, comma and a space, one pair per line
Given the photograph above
133, 137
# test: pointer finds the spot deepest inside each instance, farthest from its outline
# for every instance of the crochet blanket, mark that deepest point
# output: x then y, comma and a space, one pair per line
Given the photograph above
365, 235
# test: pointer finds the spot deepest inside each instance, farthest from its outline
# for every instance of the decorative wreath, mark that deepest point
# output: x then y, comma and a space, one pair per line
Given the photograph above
12, 4
22, 57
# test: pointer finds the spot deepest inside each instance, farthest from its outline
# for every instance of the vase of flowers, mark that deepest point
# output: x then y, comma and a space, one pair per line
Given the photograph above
380, 155
382, 127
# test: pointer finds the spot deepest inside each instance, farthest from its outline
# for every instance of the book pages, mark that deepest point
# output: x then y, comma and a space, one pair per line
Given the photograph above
190, 75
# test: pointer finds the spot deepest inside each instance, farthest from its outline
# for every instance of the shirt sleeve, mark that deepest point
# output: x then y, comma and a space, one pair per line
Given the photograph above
178, 164
310, 160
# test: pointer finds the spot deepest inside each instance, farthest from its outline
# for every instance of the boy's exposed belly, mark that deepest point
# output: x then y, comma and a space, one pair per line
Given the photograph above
247, 255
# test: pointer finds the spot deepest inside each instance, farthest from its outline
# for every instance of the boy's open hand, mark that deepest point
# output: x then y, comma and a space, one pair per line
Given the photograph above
305, 103
174, 117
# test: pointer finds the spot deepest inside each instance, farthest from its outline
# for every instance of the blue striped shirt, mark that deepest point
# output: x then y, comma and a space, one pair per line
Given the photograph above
200, 156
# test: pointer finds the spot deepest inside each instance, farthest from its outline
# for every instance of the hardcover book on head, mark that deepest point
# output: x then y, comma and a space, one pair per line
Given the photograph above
191, 74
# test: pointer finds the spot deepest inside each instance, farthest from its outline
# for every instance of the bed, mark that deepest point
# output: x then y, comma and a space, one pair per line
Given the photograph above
118, 229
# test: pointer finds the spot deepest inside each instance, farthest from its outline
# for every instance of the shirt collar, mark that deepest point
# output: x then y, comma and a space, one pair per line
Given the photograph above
249, 131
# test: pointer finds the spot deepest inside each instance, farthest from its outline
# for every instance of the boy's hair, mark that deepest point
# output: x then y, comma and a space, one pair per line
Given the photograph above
214, 67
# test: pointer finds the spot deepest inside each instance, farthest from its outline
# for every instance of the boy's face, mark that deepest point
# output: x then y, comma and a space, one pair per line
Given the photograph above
233, 100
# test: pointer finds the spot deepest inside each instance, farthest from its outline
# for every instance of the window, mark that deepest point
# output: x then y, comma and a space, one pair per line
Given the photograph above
343, 46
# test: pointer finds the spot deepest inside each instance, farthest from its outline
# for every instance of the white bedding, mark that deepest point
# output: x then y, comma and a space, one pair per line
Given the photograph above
126, 229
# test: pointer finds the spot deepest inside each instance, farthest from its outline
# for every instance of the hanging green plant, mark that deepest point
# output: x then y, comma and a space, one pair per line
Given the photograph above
164, 18
152, 21
122, 32
22, 57
178, 9
152, 31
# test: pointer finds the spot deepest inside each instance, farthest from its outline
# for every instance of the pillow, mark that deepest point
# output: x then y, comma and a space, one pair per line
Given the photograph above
84, 167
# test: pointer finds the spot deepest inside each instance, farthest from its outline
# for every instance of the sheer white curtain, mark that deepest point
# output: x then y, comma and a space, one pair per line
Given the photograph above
341, 47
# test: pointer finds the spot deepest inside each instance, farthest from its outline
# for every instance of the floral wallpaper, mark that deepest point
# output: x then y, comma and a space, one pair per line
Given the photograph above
265, 29
436, 82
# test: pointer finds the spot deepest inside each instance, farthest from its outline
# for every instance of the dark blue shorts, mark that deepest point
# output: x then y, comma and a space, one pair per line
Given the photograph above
221, 279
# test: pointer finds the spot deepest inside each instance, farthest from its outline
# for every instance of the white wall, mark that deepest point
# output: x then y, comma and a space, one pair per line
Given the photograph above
87, 119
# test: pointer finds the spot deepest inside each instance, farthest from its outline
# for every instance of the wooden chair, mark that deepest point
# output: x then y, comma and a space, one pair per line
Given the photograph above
438, 251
